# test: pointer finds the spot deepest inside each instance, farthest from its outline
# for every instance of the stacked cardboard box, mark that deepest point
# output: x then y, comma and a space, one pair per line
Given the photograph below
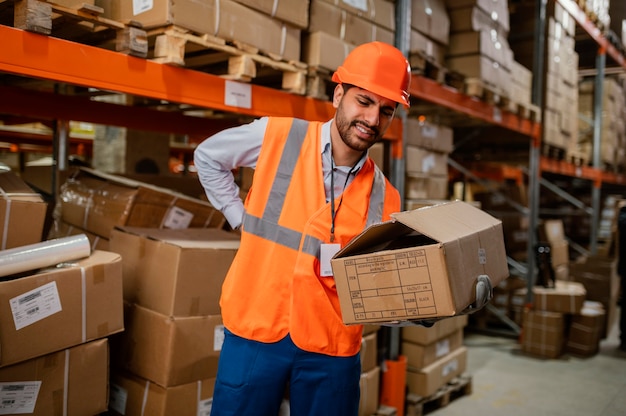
337, 26
54, 321
613, 131
559, 322
54, 326
427, 150
430, 31
370, 372
478, 46
435, 355
94, 203
560, 118
225, 19
172, 283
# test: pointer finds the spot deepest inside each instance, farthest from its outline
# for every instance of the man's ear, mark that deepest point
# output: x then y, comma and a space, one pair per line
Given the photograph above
337, 95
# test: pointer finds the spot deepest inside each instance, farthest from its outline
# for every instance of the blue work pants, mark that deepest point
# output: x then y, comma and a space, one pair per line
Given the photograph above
252, 378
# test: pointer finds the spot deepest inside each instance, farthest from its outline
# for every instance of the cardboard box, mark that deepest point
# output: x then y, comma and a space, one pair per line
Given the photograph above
370, 387
131, 395
369, 352
381, 12
422, 335
431, 18
61, 307
427, 380
175, 272
322, 50
224, 19
586, 330
544, 333
168, 350
419, 356
98, 202
435, 137
425, 186
421, 264
565, 297
421, 160
73, 381
22, 212
60, 229
295, 12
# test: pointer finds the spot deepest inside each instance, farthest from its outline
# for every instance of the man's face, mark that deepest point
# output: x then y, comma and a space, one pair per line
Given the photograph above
362, 117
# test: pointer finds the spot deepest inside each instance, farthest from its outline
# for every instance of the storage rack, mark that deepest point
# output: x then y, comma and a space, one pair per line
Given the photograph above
36, 56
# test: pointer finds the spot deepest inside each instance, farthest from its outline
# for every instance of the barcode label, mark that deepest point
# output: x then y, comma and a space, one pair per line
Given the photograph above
35, 305
18, 397
177, 218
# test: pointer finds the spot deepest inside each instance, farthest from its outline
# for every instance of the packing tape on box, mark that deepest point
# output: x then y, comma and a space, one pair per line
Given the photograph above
45, 254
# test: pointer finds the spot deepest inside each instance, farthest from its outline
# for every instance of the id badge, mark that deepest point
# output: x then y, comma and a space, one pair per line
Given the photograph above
327, 252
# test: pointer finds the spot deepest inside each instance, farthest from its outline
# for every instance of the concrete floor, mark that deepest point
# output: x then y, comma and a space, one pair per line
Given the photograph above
507, 382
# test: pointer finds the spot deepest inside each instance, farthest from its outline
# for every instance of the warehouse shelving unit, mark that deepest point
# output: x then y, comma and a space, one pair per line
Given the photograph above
30, 56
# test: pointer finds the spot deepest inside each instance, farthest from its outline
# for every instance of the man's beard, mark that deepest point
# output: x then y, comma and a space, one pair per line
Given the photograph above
349, 137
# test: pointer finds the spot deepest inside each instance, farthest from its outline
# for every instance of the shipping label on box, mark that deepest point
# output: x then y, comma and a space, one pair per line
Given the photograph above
61, 307
422, 264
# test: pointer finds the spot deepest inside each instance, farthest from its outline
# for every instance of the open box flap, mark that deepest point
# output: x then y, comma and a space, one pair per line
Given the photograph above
447, 221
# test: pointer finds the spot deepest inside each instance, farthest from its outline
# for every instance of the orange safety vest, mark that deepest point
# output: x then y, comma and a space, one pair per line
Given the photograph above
274, 285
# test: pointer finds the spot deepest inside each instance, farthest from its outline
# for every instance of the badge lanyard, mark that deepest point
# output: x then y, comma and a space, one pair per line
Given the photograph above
333, 211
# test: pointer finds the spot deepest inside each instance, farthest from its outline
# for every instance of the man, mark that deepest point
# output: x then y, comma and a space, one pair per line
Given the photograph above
314, 189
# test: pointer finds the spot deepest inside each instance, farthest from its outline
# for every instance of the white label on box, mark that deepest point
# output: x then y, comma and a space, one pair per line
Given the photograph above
442, 348
358, 4
429, 131
117, 398
18, 397
204, 407
450, 368
177, 218
482, 256
238, 94
218, 338
35, 305
140, 6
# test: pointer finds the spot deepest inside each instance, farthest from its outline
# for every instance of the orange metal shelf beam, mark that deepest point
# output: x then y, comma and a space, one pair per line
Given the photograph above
47, 57
579, 15
429, 90
598, 176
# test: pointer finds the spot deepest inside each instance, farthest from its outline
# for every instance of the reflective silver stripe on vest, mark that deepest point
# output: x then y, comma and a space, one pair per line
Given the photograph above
268, 228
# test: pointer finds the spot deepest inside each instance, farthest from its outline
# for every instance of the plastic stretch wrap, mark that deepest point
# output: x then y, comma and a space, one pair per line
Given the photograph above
45, 254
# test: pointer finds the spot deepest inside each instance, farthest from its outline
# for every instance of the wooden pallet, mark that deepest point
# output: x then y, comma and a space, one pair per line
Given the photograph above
524, 110
84, 24
458, 387
231, 60
319, 83
426, 66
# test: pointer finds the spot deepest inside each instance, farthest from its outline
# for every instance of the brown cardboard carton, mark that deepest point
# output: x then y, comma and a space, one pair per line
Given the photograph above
565, 297
175, 272
295, 12
322, 50
431, 18
60, 229
132, 395
435, 137
422, 335
61, 307
73, 381
421, 264
225, 19
544, 333
381, 12
369, 352
419, 356
168, 350
22, 212
98, 202
427, 380
586, 329
369, 398
421, 160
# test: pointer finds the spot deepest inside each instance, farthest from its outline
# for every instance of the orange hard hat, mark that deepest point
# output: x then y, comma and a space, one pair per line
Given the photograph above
377, 67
